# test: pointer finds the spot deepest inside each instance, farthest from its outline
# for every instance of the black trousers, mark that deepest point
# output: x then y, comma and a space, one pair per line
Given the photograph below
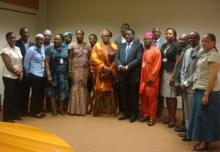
11, 101
129, 93
37, 95
24, 95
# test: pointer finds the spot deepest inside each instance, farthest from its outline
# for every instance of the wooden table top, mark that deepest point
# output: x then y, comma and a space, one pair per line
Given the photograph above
22, 138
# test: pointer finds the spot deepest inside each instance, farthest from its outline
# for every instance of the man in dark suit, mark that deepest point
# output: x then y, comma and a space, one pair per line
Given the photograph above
119, 41
128, 62
23, 43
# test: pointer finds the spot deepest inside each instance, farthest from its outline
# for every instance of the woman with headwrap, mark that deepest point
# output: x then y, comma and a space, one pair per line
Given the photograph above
103, 65
149, 83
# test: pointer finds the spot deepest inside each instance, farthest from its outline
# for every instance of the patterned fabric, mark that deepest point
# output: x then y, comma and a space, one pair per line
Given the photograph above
78, 70
59, 73
105, 103
100, 58
205, 121
103, 56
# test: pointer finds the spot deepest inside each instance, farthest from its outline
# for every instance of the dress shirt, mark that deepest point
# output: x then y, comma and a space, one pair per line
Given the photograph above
34, 61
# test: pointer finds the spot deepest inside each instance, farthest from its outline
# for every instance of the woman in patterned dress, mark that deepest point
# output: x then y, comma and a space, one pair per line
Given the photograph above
56, 69
78, 72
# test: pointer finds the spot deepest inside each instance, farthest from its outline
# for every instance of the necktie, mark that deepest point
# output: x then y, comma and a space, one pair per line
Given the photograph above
127, 51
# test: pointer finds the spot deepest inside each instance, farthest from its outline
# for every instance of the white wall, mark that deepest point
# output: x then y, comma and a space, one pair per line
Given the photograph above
12, 21
93, 16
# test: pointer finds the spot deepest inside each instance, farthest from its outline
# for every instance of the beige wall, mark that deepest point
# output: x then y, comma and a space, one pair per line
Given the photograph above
12, 21
92, 16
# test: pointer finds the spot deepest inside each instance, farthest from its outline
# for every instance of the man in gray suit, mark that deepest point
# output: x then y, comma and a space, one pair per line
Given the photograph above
184, 45
128, 63
188, 68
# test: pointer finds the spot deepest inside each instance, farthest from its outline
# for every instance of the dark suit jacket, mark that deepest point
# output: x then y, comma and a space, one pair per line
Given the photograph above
20, 44
133, 62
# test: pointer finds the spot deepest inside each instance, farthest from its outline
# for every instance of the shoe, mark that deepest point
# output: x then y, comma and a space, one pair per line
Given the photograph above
43, 114
61, 112
182, 135
171, 124
54, 114
18, 118
144, 119
38, 115
180, 129
166, 121
10, 120
186, 139
122, 118
151, 122
133, 119
80, 115
201, 147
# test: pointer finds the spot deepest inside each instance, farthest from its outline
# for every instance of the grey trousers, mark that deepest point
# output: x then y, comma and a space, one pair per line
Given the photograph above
188, 103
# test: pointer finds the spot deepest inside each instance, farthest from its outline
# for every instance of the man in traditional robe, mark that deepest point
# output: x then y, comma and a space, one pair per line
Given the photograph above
149, 81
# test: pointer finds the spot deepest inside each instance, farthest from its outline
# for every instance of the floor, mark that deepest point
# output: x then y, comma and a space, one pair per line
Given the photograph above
108, 134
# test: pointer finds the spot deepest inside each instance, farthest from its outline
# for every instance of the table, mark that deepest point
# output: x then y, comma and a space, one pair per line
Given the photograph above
22, 138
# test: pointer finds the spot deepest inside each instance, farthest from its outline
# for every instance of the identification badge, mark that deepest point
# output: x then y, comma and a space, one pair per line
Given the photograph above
164, 59
143, 64
61, 61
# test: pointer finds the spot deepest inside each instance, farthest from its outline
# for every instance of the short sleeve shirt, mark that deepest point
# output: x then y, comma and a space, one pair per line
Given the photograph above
16, 60
203, 70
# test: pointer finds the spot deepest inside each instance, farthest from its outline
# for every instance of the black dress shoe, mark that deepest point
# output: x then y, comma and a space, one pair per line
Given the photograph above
43, 114
133, 119
198, 147
182, 135
171, 124
10, 120
54, 114
61, 113
122, 118
18, 118
180, 129
186, 139
166, 121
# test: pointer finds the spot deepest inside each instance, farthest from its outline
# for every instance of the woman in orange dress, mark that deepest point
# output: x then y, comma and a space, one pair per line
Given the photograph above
103, 65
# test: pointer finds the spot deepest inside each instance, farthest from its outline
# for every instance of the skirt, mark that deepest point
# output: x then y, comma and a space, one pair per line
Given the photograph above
104, 103
165, 89
205, 120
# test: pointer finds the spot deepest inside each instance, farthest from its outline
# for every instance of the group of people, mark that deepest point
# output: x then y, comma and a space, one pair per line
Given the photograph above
107, 78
